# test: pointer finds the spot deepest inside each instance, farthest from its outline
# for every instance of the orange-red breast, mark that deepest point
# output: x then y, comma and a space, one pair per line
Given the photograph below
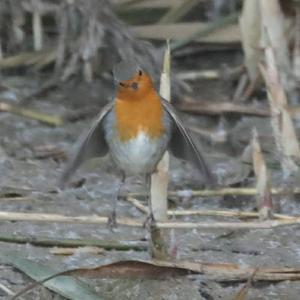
136, 129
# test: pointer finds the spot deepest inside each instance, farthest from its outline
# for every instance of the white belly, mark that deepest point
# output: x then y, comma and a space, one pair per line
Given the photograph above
139, 155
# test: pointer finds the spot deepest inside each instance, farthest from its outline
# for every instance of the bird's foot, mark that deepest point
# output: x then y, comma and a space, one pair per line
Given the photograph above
149, 221
112, 220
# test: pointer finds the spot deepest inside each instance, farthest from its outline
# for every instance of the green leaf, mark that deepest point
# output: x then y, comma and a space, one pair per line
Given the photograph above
66, 286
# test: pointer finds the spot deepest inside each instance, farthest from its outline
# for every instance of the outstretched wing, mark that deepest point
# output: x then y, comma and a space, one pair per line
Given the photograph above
182, 145
91, 144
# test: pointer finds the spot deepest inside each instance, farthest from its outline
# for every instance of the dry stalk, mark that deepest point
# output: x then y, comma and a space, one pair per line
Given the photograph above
56, 218
38, 59
37, 26
274, 34
205, 212
8, 291
296, 54
264, 197
160, 179
72, 251
42, 241
205, 107
250, 30
177, 12
196, 75
245, 191
178, 31
34, 115
282, 124
219, 23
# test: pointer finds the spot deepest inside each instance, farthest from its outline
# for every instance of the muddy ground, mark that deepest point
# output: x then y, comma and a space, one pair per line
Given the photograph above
22, 167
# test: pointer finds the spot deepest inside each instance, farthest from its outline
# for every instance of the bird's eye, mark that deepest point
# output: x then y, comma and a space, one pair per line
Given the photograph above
122, 84
140, 73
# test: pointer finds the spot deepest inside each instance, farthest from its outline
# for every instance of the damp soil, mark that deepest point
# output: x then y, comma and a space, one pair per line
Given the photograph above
28, 183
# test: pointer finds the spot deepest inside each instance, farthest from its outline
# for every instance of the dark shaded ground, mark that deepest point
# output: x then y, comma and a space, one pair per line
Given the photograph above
20, 168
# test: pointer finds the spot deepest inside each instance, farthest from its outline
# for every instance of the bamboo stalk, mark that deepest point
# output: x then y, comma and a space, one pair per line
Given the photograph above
42, 241
56, 218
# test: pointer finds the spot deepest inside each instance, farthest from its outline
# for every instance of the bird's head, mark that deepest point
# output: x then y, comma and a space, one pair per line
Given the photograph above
132, 82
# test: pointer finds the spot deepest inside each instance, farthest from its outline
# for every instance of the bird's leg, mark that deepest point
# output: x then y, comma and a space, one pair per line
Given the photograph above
150, 218
112, 222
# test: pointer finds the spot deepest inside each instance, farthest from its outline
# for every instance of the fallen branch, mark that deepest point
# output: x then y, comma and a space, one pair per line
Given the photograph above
56, 218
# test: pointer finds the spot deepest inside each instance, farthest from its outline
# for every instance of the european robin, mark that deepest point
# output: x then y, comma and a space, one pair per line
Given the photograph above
136, 129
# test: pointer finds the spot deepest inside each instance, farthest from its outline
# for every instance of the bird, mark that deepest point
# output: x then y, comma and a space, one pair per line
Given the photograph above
135, 129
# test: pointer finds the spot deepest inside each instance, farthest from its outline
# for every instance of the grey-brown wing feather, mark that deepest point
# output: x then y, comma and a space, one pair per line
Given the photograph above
91, 144
182, 145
